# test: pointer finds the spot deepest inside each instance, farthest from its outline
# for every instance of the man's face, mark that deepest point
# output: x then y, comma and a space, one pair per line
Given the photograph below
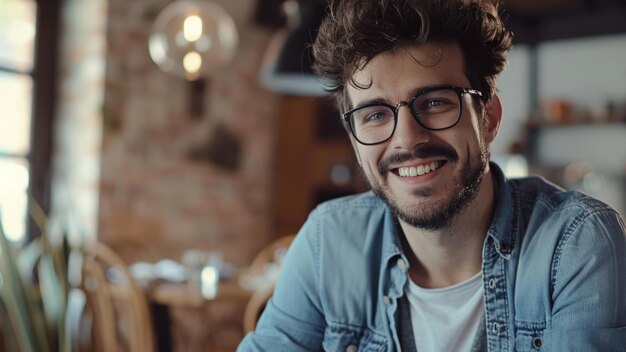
457, 157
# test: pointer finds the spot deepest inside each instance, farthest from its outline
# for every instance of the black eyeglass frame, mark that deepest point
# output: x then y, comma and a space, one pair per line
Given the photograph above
459, 91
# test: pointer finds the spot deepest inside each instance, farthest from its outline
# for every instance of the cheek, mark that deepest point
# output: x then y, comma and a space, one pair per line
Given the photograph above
474, 131
355, 148
476, 125
368, 158
358, 157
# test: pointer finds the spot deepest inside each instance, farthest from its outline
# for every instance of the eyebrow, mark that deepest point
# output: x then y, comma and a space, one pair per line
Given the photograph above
413, 93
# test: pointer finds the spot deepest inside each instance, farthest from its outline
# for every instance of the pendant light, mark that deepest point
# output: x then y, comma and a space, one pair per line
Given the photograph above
193, 38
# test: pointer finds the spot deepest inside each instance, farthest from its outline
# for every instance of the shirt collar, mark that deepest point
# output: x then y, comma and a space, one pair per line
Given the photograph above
504, 222
391, 244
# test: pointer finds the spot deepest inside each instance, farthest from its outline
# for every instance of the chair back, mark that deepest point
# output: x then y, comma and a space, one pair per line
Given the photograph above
255, 307
270, 254
113, 305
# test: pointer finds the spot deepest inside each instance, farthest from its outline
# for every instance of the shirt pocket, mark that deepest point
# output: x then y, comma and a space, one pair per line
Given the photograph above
529, 336
350, 338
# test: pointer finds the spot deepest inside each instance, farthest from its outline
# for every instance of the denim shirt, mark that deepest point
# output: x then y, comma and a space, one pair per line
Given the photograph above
554, 275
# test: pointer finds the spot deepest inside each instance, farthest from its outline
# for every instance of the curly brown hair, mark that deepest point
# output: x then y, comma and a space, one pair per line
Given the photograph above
355, 31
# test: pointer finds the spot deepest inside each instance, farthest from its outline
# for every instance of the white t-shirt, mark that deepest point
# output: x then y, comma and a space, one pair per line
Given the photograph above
446, 319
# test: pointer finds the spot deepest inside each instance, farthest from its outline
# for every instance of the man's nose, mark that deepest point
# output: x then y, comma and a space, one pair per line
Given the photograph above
409, 132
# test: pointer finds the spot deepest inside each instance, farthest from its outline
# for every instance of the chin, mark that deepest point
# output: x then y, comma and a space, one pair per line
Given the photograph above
428, 214
426, 211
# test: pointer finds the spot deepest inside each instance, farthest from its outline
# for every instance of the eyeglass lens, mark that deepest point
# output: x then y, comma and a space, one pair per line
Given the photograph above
435, 110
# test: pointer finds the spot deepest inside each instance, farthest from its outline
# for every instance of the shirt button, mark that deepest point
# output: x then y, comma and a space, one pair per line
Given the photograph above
494, 328
492, 283
537, 342
351, 348
386, 300
401, 264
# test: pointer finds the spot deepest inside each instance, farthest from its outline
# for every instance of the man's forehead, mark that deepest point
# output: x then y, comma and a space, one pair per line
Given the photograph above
434, 63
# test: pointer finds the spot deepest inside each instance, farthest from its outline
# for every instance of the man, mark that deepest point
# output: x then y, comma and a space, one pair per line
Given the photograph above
445, 253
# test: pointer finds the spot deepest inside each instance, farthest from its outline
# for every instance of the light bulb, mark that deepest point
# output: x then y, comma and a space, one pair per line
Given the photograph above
193, 38
192, 63
192, 28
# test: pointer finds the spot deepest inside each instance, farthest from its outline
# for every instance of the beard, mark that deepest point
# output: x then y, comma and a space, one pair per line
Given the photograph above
429, 216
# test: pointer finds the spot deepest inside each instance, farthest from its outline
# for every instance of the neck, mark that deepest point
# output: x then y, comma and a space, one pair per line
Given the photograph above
445, 257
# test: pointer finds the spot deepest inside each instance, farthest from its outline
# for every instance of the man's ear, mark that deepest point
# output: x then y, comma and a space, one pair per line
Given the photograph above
493, 116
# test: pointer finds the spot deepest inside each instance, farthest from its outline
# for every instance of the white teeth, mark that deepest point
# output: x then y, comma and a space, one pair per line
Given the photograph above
418, 171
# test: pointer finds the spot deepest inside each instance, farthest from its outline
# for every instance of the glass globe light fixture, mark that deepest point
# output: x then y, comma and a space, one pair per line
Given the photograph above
193, 38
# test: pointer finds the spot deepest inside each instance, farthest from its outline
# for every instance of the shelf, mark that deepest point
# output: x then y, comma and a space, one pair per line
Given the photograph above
602, 145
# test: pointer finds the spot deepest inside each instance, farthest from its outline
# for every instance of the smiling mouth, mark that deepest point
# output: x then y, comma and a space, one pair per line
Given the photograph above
419, 170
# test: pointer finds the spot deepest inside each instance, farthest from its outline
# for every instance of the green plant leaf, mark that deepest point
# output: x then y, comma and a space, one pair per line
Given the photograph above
13, 297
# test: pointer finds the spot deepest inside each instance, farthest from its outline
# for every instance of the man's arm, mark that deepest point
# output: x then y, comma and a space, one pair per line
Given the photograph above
589, 287
293, 319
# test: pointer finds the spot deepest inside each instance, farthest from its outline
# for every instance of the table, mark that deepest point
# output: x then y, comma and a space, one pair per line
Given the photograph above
185, 321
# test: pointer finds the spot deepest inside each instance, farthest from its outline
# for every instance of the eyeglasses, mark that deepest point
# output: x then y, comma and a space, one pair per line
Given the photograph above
435, 109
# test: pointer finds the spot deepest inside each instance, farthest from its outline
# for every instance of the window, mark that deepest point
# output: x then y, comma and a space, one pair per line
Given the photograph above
26, 87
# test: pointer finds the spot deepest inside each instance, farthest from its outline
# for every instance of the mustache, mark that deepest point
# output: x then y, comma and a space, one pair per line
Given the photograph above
420, 152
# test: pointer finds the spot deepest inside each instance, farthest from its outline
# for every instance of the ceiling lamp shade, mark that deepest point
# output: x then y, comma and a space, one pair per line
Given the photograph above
193, 38
287, 62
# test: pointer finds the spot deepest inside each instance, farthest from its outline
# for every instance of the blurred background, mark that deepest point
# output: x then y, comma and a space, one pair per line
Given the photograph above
193, 134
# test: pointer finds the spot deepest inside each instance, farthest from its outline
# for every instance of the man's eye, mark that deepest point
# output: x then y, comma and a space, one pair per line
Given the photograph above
434, 103
373, 116
438, 102
376, 116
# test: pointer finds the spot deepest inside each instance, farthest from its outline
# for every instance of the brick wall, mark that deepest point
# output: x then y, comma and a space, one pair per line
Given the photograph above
172, 180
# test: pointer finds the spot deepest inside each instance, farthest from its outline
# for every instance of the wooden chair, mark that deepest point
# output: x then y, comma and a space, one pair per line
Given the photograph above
255, 307
270, 254
112, 304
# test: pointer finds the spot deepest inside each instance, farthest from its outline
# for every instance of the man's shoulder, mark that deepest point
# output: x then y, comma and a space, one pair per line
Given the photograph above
548, 211
351, 220
536, 191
